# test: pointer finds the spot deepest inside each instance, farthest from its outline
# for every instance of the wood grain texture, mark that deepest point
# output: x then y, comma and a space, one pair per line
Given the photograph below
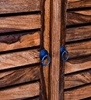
14, 6
17, 41
78, 33
55, 48
79, 49
78, 17
78, 93
78, 64
17, 23
15, 59
78, 3
23, 91
78, 79
17, 76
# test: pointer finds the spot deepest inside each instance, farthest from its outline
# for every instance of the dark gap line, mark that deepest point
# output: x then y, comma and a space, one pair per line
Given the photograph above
78, 25
17, 85
20, 67
78, 41
18, 32
89, 98
77, 87
29, 98
20, 13
20, 50
77, 72
79, 9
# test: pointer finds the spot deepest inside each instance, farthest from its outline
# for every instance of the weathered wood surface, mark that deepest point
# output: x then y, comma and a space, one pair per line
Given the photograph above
79, 49
78, 93
78, 4
78, 33
78, 17
23, 91
17, 23
14, 6
78, 79
78, 64
15, 59
17, 76
21, 40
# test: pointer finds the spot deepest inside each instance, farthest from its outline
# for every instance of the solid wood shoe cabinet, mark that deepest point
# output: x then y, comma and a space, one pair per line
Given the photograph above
27, 27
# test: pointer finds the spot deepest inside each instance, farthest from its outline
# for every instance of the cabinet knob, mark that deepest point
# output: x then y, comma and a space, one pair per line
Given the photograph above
64, 54
44, 56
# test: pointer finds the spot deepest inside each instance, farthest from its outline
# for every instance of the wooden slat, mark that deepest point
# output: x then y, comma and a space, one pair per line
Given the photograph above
78, 17
78, 93
78, 79
78, 33
78, 64
17, 76
78, 3
14, 6
16, 23
23, 91
15, 59
79, 49
21, 40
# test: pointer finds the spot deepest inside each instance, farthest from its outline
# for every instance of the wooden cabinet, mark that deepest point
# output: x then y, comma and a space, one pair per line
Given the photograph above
27, 27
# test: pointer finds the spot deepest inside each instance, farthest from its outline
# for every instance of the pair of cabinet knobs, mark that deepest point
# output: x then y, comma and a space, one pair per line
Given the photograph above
44, 55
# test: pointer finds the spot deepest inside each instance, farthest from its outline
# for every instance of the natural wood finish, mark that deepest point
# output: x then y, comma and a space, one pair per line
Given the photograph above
78, 3
23, 91
78, 33
17, 76
17, 41
46, 37
78, 64
15, 59
78, 93
17, 23
78, 79
79, 49
78, 17
55, 48
14, 6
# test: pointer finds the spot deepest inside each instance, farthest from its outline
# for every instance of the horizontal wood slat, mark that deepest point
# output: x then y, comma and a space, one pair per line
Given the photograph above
17, 23
78, 33
21, 40
17, 76
23, 91
15, 59
78, 79
13, 6
78, 64
78, 93
78, 4
79, 49
78, 17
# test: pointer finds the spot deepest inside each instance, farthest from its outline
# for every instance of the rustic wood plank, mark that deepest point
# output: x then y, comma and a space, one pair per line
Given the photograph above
78, 4
15, 59
17, 76
78, 93
78, 17
78, 79
78, 33
21, 40
79, 49
78, 64
23, 91
14, 6
17, 23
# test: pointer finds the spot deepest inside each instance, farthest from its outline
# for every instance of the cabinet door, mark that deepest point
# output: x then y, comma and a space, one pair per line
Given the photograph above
77, 74
21, 31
